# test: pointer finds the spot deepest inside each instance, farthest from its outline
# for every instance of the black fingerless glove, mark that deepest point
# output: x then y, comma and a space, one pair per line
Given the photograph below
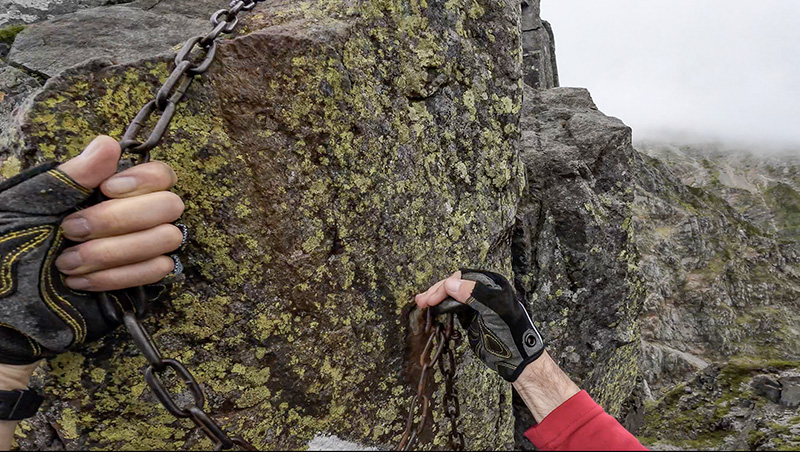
39, 315
499, 329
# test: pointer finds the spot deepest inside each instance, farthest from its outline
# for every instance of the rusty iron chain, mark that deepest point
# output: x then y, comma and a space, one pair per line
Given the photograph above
187, 67
129, 307
450, 404
441, 341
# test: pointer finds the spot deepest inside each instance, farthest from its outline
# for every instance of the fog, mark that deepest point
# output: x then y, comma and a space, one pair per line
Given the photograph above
686, 70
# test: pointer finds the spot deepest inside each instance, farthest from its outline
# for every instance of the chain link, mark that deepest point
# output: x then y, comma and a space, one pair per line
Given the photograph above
129, 307
194, 58
443, 337
452, 408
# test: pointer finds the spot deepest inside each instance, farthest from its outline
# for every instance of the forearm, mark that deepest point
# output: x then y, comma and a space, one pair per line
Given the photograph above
12, 378
544, 387
568, 419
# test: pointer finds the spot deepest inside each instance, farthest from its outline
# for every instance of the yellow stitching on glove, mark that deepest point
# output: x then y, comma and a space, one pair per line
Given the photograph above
39, 234
75, 322
61, 176
489, 334
506, 365
35, 349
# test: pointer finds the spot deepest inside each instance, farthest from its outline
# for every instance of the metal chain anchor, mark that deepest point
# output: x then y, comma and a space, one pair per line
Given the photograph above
447, 337
129, 307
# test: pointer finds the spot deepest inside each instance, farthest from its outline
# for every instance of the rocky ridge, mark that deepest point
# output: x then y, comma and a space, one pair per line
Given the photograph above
339, 156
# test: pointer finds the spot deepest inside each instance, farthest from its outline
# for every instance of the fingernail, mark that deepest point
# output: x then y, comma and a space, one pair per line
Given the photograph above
78, 283
75, 227
91, 149
70, 260
121, 185
452, 285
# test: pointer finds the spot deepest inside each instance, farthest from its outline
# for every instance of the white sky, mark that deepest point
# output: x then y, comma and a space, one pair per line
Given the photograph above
718, 69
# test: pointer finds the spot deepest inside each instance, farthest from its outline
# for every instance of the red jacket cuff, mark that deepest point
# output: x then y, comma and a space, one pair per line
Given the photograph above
563, 422
581, 424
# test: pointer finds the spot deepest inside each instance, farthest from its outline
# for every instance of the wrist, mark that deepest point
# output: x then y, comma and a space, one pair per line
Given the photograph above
16, 377
544, 386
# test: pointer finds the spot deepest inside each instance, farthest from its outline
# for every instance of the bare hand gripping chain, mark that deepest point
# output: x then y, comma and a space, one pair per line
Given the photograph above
128, 307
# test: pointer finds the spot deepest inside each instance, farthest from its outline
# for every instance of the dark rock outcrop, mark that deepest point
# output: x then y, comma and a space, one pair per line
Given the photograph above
574, 262
538, 48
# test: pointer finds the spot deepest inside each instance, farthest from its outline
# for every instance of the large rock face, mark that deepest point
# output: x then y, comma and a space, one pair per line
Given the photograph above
337, 157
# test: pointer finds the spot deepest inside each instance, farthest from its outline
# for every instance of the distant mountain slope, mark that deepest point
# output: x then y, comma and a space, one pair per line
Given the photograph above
718, 234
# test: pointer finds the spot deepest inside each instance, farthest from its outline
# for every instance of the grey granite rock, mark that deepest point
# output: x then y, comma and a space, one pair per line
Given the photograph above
15, 87
572, 250
29, 11
767, 386
120, 34
790, 391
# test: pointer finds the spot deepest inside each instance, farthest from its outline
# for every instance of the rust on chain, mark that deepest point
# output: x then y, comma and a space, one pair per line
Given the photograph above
440, 343
129, 307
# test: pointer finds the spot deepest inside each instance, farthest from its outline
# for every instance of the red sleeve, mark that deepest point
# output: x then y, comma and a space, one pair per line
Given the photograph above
581, 424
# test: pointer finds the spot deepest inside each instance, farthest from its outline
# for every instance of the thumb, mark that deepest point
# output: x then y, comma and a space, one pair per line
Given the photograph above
95, 164
458, 288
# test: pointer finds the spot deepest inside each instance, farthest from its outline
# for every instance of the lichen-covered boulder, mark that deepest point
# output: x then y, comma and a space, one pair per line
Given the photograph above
28, 11
338, 157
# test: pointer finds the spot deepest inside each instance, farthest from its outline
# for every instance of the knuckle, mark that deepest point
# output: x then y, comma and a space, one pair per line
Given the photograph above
103, 217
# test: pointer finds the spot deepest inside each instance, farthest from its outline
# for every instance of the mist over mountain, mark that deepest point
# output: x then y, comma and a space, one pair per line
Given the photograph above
687, 71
